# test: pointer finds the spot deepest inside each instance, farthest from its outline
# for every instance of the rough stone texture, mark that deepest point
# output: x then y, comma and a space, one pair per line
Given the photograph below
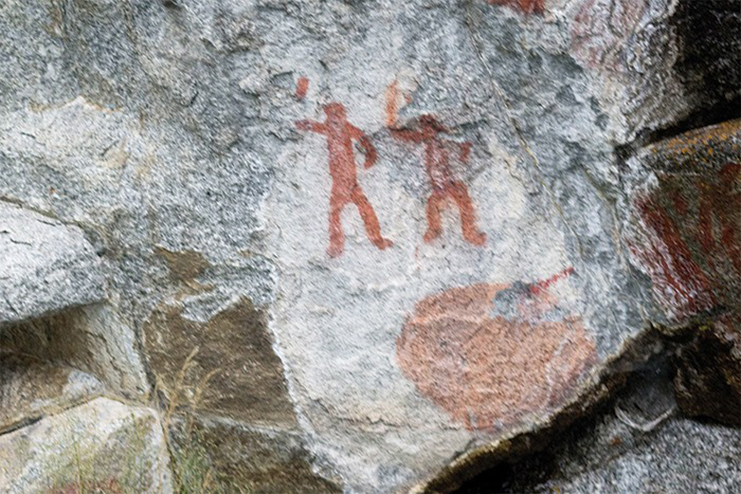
31, 389
680, 456
685, 232
686, 236
285, 184
45, 266
708, 373
101, 443
248, 383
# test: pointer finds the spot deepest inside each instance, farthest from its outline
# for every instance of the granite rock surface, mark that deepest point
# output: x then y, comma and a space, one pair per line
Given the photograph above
389, 234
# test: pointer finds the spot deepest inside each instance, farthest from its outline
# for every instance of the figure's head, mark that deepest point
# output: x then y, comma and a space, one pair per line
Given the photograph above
429, 123
335, 111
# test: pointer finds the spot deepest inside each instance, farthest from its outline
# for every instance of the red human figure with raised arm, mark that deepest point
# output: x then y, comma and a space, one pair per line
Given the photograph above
345, 188
444, 184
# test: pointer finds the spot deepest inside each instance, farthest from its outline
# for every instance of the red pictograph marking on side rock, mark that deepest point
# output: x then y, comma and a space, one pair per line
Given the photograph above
490, 372
728, 205
679, 282
302, 87
444, 185
340, 135
525, 6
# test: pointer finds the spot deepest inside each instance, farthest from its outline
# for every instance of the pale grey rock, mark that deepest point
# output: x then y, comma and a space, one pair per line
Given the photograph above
45, 266
103, 444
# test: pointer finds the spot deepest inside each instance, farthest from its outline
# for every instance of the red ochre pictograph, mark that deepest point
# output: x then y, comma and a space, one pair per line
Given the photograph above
444, 184
340, 135
302, 87
685, 283
471, 361
525, 6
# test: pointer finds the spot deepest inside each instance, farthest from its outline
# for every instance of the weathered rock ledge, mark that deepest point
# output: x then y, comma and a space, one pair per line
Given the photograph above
45, 266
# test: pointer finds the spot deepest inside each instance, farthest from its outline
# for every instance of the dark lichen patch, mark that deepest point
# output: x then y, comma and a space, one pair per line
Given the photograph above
246, 459
707, 377
249, 383
185, 268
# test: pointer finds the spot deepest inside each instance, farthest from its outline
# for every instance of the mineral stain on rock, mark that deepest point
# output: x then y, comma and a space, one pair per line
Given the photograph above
491, 372
249, 384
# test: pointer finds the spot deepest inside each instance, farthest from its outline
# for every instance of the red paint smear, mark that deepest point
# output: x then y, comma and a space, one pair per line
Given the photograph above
392, 107
680, 204
730, 201
345, 188
543, 286
673, 270
301, 88
705, 227
525, 6
444, 185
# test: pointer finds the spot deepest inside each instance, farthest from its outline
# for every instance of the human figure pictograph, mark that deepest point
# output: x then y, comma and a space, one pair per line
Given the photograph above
345, 188
444, 184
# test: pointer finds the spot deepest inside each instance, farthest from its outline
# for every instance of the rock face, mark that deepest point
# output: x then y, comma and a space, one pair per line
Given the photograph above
46, 266
362, 240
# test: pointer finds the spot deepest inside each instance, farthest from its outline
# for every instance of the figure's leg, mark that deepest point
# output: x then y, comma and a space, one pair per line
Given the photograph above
433, 216
468, 218
372, 227
336, 235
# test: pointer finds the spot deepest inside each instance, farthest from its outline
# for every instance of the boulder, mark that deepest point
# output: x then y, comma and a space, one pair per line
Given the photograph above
637, 442
102, 444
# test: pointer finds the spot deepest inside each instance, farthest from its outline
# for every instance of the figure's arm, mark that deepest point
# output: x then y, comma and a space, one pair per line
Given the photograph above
370, 151
465, 151
406, 135
365, 143
311, 126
